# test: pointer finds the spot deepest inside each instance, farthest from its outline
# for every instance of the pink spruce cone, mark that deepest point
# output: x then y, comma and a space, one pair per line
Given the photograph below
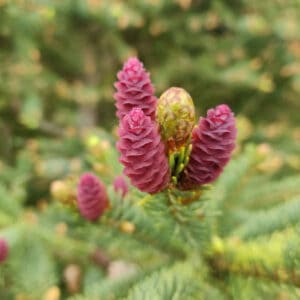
120, 186
213, 141
3, 250
91, 197
134, 89
143, 153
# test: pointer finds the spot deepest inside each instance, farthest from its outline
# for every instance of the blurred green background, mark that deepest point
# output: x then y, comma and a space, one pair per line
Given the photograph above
59, 59
58, 63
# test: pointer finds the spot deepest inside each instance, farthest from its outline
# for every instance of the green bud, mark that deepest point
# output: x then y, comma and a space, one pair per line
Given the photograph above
64, 191
174, 179
171, 161
178, 160
175, 115
179, 169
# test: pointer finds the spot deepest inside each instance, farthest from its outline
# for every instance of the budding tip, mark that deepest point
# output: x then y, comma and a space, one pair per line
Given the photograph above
176, 117
219, 114
120, 185
87, 178
132, 61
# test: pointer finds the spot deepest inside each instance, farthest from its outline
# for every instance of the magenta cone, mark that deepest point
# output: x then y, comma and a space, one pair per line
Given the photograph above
143, 153
3, 250
134, 89
213, 141
91, 197
120, 186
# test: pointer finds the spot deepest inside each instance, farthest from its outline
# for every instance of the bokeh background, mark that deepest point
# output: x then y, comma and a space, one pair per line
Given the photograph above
58, 63
59, 60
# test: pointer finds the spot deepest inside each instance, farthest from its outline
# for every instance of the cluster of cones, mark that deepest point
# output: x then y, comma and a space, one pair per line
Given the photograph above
153, 131
159, 142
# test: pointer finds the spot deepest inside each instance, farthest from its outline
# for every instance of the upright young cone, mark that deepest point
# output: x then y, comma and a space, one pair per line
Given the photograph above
91, 196
213, 141
134, 89
175, 115
3, 250
143, 153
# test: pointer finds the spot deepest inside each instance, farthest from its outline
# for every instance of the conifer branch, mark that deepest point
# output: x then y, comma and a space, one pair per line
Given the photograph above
275, 259
267, 221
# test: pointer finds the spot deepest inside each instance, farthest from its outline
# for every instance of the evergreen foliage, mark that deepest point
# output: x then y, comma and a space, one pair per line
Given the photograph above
235, 239
171, 245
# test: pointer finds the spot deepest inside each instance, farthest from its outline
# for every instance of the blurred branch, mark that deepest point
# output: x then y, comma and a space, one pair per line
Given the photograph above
51, 129
272, 259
